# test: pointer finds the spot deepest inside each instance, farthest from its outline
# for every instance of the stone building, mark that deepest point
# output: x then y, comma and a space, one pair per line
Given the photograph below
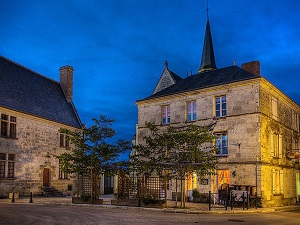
32, 110
255, 124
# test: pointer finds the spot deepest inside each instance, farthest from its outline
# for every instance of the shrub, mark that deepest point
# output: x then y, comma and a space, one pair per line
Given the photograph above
196, 194
151, 200
85, 196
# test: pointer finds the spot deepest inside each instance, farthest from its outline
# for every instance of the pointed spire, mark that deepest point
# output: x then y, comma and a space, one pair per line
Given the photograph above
208, 58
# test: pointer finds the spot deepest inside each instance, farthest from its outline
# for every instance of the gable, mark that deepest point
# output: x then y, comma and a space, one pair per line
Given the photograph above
167, 79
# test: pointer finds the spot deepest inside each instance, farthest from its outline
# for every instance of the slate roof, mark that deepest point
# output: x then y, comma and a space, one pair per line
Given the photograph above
175, 76
29, 92
205, 79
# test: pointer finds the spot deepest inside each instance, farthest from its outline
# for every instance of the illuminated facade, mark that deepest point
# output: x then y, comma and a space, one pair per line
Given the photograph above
256, 126
32, 110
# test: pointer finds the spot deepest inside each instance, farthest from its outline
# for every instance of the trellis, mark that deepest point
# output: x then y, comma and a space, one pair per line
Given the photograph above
141, 187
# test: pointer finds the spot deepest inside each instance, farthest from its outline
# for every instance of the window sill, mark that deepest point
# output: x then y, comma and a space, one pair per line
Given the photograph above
8, 178
14, 138
222, 155
220, 117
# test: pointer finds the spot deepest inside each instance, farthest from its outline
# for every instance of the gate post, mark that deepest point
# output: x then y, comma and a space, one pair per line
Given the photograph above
256, 200
226, 200
243, 196
231, 199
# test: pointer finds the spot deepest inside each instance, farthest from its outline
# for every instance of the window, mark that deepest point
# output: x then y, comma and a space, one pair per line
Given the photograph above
61, 140
220, 106
277, 181
295, 121
64, 140
191, 111
7, 165
165, 114
274, 109
222, 144
276, 145
8, 126
62, 175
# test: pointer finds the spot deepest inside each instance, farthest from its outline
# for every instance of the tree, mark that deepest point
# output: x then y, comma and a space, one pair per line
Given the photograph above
91, 154
180, 151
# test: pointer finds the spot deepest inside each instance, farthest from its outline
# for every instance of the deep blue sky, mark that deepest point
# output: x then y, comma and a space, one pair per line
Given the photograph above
118, 47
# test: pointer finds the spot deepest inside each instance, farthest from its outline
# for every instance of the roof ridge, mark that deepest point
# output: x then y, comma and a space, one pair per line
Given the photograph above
24, 67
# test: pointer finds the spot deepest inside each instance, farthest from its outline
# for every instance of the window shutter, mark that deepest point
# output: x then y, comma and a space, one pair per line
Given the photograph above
272, 144
280, 145
281, 181
273, 182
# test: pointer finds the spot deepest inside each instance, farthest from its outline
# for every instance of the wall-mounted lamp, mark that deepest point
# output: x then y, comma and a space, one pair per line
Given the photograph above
233, 173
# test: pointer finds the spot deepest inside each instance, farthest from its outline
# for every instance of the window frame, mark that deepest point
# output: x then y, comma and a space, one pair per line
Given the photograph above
222, 111
165, 114
7, 166
274, 108
276, 145
191, 111
221, 151
64, 141
8, 126
61, 174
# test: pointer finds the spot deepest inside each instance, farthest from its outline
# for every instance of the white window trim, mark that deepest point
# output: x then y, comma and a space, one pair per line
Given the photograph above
193, 110
221, 109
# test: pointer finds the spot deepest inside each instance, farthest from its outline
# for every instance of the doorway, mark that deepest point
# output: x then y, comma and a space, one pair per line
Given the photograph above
46, 177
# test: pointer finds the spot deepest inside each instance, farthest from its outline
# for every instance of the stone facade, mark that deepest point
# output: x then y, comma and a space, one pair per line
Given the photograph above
247, 124
36, 144
33, 108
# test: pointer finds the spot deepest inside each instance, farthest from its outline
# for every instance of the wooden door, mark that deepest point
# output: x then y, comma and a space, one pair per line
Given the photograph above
46, 180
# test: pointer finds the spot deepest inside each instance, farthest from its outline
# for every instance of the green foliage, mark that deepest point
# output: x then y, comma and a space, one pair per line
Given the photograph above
90, 151
179, 150
196, 194
85, 197
151, 200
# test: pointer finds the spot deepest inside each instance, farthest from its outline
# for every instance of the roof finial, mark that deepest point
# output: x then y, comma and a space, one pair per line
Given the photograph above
166, 64
207, 10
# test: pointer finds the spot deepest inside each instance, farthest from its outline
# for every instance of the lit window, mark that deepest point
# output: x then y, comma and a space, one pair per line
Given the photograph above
221, 144
165, 114
191, 111
220, 106
277, 181
7, 165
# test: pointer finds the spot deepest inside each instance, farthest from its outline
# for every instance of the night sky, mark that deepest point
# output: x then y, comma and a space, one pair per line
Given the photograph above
118, 48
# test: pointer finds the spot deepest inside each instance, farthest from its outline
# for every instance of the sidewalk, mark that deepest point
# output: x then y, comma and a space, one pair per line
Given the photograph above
192, 208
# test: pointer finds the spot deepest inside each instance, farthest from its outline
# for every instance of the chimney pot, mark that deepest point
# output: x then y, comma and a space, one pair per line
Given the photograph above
66, 81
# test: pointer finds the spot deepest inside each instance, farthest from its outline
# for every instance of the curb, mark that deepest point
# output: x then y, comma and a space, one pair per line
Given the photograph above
166, 210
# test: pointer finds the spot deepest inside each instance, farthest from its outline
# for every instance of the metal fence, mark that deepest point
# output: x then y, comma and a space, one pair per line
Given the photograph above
232, 199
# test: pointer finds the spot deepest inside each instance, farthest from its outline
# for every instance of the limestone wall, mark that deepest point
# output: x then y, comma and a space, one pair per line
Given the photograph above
35, 147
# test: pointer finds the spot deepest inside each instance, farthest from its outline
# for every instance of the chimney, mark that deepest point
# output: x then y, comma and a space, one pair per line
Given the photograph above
66, 81
252, 67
